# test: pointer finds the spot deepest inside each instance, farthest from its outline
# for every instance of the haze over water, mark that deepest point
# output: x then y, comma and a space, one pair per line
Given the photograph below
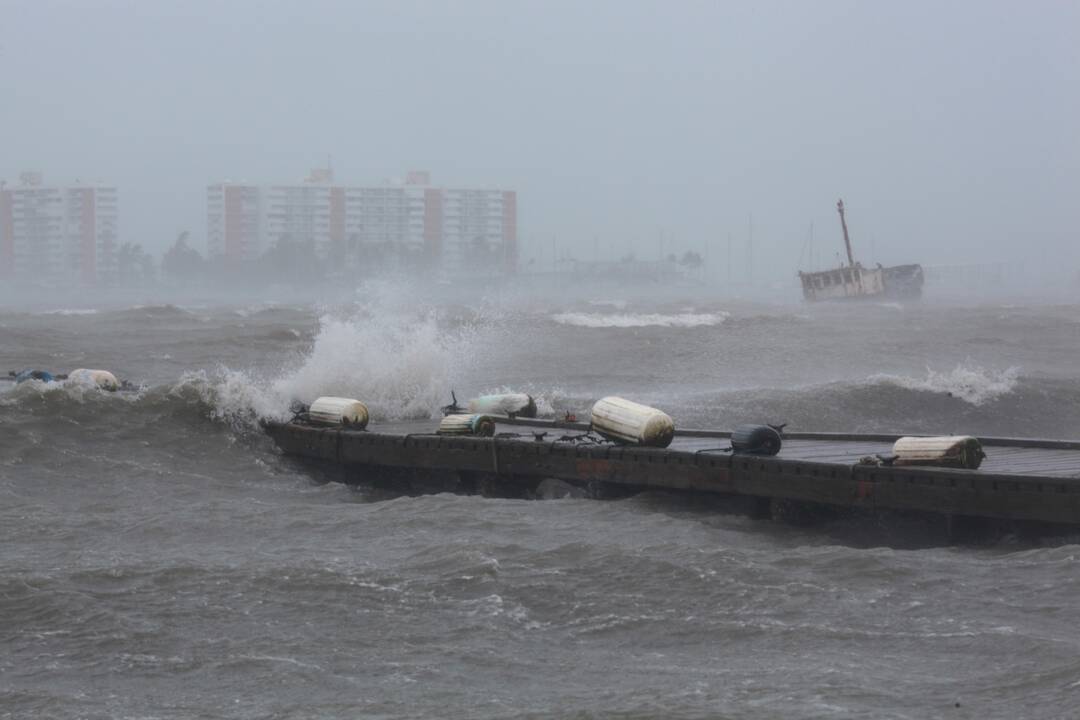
624, 127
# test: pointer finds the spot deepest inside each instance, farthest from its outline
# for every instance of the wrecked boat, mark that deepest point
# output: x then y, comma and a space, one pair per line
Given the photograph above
856, 282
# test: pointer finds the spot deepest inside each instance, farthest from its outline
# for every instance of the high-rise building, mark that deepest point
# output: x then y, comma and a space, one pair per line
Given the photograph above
479, 226
52, 235
300, 213
233, 220
409, 225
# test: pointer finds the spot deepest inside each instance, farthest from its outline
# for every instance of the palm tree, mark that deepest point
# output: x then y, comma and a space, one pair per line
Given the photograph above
182, 262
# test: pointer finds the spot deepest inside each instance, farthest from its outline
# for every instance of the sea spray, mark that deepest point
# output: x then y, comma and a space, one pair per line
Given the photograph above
546, 399
401, 367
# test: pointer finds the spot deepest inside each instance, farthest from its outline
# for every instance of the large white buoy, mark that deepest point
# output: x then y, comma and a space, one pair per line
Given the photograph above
509, 404
96, 378
339, 411
629, 422
962, 451
480, 425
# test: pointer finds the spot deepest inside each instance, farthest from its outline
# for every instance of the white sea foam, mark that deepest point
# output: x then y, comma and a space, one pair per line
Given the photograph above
399, 367
633, 320
970, 383
72, 311
78, 389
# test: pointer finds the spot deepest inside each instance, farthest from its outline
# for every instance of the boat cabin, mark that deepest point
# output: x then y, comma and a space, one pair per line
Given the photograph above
849, 281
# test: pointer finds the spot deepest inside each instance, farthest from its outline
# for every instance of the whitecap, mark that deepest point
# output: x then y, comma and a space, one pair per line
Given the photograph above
72, 311
970, 383
634, 320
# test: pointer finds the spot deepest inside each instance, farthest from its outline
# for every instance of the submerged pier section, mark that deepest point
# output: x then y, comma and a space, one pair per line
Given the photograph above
1020, 480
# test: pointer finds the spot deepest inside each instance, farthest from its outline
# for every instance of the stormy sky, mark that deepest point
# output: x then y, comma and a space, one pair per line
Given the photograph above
950, 129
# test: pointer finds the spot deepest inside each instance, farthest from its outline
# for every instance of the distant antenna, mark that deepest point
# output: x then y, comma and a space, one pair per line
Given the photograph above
729, 258
750, 251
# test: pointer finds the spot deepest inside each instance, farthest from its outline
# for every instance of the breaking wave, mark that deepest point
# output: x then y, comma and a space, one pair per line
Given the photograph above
633, 320
401, 369
965, 400
402, 363
970, 383
72, 311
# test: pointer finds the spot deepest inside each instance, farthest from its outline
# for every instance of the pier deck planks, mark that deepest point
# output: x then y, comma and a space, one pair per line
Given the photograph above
1026, 480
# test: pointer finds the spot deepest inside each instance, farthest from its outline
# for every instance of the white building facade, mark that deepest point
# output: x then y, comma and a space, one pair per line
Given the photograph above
405, 226
53, 235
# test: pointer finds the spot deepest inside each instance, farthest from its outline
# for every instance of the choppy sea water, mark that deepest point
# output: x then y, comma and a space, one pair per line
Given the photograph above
160, 559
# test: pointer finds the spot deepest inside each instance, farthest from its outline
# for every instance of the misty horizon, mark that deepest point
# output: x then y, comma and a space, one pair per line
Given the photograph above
949, 132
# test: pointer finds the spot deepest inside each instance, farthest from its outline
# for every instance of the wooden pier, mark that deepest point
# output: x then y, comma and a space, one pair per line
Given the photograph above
1020, 479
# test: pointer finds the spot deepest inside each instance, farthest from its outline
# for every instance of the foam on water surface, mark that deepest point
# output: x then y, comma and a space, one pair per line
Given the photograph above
971, 383
634, 320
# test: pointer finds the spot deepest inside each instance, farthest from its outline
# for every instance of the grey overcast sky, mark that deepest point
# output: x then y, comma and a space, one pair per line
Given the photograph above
949, 128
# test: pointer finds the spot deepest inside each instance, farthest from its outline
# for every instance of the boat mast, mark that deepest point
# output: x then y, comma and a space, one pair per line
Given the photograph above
847, 240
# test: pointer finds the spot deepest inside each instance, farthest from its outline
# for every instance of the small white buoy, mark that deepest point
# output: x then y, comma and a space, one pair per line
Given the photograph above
629, 422
961, 451
97, 378
480, 425
331, 410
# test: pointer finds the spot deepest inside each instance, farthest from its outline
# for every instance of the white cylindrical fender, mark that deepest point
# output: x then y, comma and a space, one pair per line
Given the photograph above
97, 378
480, 425
629, 422
962, 451
515, 404
339, 411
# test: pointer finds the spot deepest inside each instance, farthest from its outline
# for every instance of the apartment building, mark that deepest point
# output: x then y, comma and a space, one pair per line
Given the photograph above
234, 221
57, 235
406, 225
